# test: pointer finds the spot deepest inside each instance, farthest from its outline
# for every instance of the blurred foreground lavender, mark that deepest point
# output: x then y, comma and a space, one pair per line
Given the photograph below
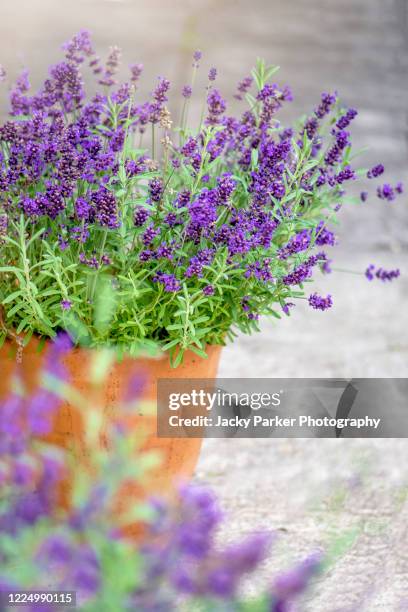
179, 562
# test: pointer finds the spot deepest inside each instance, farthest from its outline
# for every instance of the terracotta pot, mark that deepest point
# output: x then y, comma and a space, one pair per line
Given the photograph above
179, 455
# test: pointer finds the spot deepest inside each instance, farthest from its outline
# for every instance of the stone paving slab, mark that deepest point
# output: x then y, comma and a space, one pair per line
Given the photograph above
314, 493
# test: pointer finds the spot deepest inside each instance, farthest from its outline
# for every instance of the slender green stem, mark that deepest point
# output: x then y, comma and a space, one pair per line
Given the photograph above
348, 271
95, 278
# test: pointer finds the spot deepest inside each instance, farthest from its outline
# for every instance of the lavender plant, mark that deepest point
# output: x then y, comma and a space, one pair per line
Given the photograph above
125, 230
179, 565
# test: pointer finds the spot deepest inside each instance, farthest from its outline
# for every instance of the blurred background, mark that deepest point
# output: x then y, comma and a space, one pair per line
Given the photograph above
307, 489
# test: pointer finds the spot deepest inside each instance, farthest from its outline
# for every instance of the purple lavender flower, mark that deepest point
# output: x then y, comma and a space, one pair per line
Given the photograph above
150, 234
320, 303
79, 47
209, 290
225, 187
80, 233
165, 251
294, 582
56, 549
212, 75
203, 211
243, 87
259, 270
326, 104
197, 262
171, 219
106, 208
156, 189
140, 216
136, 72
86, 571
311, 127
170, 282
300, 242
190, 147
111, 67
346, 119
91, 262
272, 98
223, 580
195, 268
347, 174
187, 91
381, 274
302, 272
23, 473
335, 153
197, 55
40, 410
375, 171
386, 192
135, 167
216, 107
286, 307
159, 98
66, 305
325, 266
83, 209
324, 236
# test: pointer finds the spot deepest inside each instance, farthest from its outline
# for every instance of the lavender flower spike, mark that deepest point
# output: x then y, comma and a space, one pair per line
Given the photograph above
320, 303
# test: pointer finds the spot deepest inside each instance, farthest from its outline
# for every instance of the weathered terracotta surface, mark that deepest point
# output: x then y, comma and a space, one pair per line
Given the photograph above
179, 455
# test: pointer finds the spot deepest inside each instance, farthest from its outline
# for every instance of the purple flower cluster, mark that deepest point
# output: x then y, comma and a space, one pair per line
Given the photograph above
259, 270
304, 270
3, 227
159, 98
346, 119
384, 275
21, 418
187, 534
106, 208
242, 203
320, 303
287, 306
156, 189
136, 72
212, 75
187, 91
334, 155
169, 281
376, 171
294, 582
216, 107
326, 104
197, 263
141, 215
304, 239
243, 87
197, 55
389, 193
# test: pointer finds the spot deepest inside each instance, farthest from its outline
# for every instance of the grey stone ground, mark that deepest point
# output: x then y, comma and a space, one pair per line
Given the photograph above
311, 491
